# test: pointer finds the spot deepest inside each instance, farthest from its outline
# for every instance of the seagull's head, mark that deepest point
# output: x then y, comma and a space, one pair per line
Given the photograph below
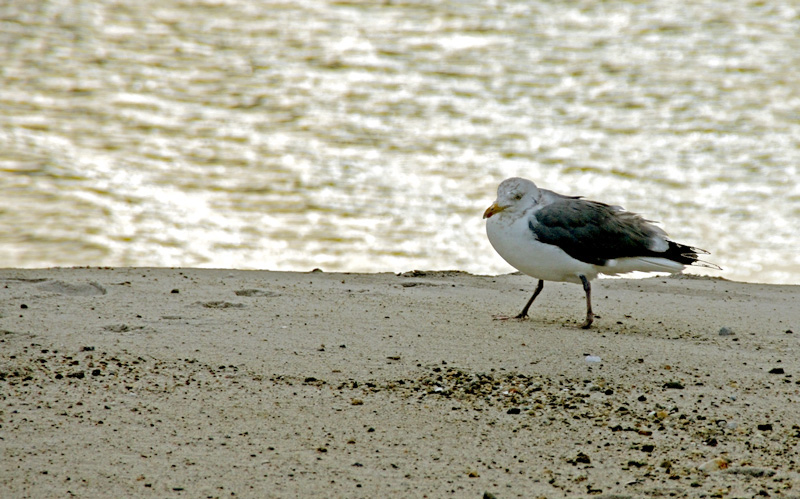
514, 195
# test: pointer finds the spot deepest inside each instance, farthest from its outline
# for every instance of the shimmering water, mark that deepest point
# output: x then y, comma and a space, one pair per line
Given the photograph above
370, 136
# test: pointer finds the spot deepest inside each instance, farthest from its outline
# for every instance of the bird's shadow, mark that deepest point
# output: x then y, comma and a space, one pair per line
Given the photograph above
517, 318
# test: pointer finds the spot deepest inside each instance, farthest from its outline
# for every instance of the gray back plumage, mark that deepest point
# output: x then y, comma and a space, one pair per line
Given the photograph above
595, 232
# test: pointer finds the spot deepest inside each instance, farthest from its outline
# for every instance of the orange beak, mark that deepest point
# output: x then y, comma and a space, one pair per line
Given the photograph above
493, 210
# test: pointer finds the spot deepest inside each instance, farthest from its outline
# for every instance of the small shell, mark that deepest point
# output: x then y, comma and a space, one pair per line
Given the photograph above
716, 464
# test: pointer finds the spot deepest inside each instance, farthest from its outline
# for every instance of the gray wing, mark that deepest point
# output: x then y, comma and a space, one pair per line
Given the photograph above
594, 232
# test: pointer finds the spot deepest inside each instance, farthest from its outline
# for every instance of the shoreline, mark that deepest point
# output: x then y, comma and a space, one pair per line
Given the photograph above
215, 382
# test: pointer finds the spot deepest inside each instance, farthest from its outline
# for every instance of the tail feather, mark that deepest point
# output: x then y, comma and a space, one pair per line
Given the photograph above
687, 255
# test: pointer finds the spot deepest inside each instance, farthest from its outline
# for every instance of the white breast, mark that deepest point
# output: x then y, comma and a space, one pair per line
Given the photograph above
514, 241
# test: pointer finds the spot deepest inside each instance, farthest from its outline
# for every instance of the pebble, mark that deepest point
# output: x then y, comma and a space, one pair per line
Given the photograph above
726, 331
593, 358
582, 458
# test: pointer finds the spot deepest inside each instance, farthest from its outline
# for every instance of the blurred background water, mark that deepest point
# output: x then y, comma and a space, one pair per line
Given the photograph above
370, 136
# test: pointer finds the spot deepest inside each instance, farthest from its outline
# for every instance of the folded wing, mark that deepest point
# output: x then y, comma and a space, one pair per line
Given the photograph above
595, 233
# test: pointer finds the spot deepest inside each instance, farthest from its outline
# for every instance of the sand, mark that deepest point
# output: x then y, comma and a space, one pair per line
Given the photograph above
223, 383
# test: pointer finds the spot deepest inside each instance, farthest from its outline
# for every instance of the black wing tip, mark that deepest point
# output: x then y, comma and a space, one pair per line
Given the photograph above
696, 262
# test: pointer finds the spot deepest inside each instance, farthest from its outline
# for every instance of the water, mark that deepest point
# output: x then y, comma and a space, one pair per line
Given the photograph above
370, 136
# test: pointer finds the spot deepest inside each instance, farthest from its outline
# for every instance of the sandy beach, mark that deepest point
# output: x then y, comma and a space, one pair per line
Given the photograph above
150, 382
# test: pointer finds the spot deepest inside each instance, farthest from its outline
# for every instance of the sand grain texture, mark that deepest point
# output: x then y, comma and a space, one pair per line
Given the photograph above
220, 383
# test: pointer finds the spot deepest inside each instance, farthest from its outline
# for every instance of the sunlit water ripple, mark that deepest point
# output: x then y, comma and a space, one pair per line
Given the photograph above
367, 136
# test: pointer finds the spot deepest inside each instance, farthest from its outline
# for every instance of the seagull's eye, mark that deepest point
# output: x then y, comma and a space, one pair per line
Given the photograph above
517, 196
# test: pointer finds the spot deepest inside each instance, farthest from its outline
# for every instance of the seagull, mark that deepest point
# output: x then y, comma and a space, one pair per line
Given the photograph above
553, 237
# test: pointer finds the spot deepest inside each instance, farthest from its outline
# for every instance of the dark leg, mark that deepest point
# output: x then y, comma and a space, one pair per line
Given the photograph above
524, 312
589, 314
